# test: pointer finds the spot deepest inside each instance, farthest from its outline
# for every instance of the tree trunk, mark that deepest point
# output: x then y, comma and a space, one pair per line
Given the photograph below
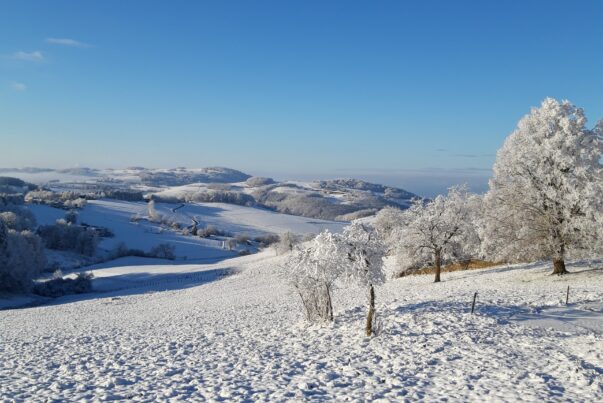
329, 304
371, 311
438, 265
559, 267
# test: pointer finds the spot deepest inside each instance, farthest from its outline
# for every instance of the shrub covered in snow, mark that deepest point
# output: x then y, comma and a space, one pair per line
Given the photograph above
65, 236
267, 240
286, 243
60, 286
163, 251
354, 257
243, 239
21, 259
312, 270
210, 230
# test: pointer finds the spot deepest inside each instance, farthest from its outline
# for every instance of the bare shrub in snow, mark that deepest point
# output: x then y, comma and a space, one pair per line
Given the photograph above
267, 240
163, 251
286, 243
210, 230
545, 198
242, 239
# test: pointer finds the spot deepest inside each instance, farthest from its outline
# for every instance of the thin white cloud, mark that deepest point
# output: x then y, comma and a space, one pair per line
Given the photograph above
66, 42
36, 56
19, 87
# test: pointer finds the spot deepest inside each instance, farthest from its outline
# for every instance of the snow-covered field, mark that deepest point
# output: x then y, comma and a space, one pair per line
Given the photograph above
251, 221
234, 331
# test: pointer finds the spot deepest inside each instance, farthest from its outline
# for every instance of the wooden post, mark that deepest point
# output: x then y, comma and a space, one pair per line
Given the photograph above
371, 312
567, 296
473, 304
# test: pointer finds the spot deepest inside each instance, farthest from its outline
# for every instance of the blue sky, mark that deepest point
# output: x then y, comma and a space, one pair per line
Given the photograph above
416, 94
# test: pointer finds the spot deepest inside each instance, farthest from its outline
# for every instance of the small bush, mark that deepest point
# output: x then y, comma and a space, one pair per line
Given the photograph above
209, 231
231, 244
60, 286
242, 239
163, 251
266, 240
71, 217
286, 243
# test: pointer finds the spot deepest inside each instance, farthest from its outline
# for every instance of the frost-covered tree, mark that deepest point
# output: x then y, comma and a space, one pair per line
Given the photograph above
17, 218
286, 243
21, 258
354, 257
154, 215
64, 236
387, 221
313, 269
545, 196
435, 231
362, 262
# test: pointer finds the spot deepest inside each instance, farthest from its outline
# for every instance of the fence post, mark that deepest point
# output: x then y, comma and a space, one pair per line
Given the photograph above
473, 304
567, 296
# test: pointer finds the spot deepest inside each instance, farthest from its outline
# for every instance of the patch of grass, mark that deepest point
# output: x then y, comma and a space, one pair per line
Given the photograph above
458, 266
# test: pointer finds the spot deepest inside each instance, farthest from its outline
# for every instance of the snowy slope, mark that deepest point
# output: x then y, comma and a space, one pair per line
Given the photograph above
234, 331
116, 215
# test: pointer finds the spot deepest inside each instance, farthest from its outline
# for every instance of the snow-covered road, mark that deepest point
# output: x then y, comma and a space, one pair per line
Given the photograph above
242, 337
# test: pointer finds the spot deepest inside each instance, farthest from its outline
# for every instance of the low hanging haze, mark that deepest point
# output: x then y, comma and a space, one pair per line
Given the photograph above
407, 93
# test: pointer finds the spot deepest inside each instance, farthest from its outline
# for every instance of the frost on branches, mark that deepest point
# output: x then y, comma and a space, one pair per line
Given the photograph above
354, 257
441, 230
313, 270
363, 263
544, 200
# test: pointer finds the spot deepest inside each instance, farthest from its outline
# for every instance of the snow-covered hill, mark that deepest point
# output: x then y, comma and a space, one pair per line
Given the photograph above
235, 220
338, 199
234, 331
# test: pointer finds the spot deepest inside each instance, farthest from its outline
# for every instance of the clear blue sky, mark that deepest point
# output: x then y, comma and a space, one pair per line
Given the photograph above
414, 93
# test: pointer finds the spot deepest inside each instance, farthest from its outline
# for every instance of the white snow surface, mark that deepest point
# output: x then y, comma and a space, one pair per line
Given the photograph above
116, 215
234, 331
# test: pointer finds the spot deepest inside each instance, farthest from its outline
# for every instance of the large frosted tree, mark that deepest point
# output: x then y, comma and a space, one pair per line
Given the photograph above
544, 200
